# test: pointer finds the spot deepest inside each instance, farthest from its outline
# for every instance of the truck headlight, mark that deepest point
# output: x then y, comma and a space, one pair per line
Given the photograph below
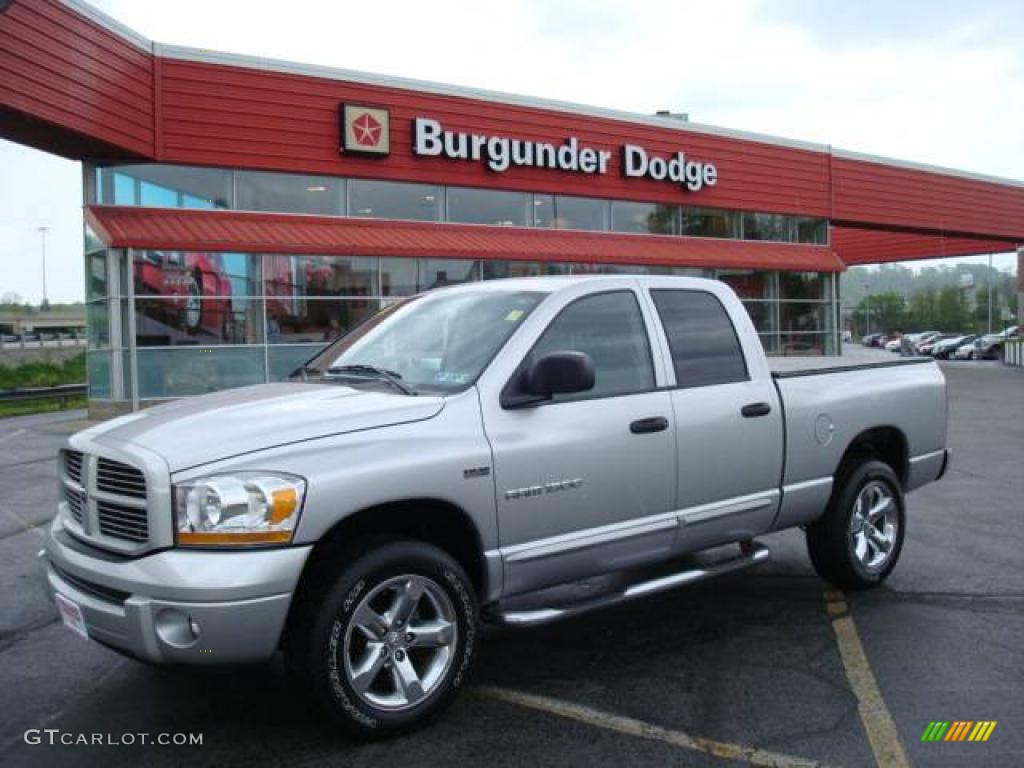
238, 509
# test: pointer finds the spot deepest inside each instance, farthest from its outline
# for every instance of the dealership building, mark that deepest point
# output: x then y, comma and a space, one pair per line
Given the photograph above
240, 211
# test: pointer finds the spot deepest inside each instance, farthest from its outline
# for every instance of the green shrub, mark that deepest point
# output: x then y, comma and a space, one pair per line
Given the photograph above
71, 371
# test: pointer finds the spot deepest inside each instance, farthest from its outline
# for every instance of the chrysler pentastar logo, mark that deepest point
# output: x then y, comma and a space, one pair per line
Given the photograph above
365, 130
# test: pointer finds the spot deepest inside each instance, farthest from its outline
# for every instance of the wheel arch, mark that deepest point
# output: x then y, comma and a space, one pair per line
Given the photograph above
433, 521
887, 444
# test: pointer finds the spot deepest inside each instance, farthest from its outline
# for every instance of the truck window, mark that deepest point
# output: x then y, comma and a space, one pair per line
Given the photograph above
704, 345
610, 329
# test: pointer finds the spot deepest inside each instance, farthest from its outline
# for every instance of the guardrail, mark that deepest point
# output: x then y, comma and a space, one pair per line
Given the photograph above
62, 392
1013, 352
41, 343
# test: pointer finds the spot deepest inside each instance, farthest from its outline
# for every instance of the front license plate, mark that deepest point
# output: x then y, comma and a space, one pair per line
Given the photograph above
71, 615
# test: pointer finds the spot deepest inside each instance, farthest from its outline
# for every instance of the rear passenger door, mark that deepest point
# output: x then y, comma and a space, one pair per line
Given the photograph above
728, 421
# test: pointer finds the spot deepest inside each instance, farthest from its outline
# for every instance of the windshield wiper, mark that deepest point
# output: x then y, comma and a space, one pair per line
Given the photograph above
305, 371
391, 377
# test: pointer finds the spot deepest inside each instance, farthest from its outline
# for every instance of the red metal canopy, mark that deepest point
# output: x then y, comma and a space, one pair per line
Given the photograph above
199, 230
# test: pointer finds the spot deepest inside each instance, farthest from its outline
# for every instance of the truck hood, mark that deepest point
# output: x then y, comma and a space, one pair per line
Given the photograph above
198, 430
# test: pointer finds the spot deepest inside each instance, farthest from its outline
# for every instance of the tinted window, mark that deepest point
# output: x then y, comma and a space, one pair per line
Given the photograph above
484, 206
644, 217
290, 193
610, 329
393, 200
705, 348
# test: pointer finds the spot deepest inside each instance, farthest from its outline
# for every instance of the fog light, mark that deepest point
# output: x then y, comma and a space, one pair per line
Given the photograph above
176, 628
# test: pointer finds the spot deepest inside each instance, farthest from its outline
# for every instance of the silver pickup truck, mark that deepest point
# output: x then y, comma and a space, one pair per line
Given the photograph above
475, 453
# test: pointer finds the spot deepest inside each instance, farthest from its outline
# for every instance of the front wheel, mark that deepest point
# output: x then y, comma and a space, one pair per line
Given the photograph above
856, 543
389, 644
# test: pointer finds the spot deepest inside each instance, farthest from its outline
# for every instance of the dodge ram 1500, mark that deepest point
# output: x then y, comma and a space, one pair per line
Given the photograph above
469, 454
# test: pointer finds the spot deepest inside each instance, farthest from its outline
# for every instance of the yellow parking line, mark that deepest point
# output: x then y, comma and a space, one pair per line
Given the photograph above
874, 715
642, 730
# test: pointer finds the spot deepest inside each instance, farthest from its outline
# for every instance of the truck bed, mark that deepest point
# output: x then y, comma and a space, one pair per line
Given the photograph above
789, 367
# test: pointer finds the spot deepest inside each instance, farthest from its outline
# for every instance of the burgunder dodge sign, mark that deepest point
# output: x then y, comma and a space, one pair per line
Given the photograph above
365, 130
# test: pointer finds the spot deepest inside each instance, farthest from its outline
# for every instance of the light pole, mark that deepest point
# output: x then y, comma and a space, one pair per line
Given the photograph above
867, 307
42, 236
988, 281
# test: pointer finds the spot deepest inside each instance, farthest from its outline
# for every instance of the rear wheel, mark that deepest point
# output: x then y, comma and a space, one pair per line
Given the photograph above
388, 642
857, 542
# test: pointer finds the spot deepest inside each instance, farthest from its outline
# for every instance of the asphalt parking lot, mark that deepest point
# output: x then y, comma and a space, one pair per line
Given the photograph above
748, 669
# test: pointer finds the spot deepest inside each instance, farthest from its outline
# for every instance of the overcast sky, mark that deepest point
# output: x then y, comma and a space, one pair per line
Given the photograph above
927, 80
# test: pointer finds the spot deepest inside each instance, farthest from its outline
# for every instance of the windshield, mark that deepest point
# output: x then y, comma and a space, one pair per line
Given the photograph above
434, 342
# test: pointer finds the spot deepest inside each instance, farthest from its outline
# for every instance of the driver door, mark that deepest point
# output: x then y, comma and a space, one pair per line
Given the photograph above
585, 482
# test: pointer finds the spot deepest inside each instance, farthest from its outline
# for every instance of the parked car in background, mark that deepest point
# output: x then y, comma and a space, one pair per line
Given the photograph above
991, 344
871, 340
923, 339
944, 349
965, 351
893, 345
928, 347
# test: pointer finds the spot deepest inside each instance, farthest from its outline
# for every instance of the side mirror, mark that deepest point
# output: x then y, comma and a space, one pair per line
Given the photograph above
556, 373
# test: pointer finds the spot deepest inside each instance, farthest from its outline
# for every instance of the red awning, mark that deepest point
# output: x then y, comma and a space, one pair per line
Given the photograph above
199, 230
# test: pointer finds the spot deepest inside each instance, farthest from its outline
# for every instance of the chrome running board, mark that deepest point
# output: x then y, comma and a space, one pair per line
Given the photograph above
505, 613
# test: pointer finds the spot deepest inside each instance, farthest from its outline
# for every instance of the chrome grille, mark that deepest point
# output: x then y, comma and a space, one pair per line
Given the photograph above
121, 479
122, 522
73, 465
76, 503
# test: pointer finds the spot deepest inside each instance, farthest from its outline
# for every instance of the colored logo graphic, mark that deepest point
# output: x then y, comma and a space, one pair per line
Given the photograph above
364, 130
958, 730
367, 130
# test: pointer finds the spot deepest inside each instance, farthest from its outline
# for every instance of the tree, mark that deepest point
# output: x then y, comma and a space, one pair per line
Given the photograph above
888, 312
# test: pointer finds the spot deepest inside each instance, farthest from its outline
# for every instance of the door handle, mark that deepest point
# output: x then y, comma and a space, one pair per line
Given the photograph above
755, 409
653, 424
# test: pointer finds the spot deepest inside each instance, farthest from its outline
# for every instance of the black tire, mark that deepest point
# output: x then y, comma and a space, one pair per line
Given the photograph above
323, 622
831, 540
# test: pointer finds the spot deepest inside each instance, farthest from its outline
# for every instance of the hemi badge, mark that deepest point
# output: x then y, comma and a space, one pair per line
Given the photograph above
476, 472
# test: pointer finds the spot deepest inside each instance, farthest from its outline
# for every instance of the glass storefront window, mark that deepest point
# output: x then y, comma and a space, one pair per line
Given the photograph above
97, 366
397, 276
487, 206
801, 316
91, 241
497, 270
289, 193
394, 200
282, 360
182, 372
747, 283
192, 321
760, 314
768, 226
813, 231
573, 213
802, 343
808, 286
195, 275
291, 276
96, 275
164, 186
708, 222
97, 321
647, 218
437, 273
302, 320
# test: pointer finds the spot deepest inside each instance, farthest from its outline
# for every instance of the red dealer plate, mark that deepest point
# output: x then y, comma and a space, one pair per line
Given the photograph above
71, 615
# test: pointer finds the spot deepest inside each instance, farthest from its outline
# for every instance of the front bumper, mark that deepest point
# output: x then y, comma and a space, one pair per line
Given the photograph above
177, 606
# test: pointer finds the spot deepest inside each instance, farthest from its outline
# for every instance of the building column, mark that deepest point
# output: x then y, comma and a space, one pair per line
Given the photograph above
1020, 283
